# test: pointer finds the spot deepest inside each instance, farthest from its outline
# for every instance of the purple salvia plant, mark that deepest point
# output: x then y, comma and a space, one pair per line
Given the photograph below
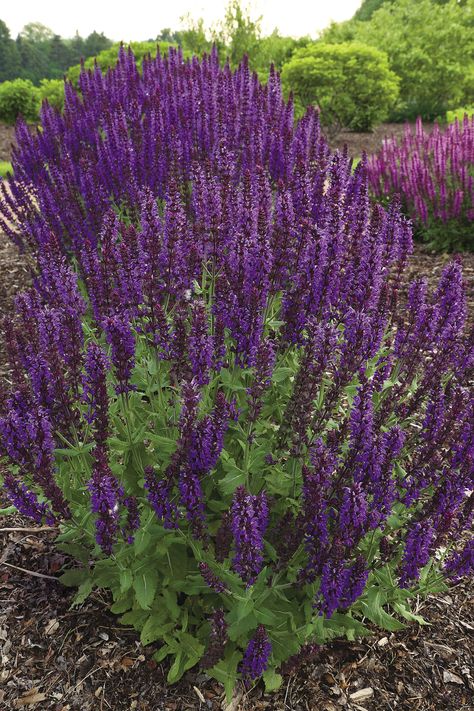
289, 396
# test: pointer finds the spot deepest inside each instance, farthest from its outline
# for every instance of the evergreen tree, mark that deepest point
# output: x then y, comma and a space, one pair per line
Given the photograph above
9, 57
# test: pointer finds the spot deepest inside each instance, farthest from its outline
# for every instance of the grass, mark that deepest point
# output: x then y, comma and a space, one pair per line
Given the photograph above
5, 167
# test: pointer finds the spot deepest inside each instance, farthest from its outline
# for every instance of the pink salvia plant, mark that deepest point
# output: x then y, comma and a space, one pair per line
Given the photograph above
433, 173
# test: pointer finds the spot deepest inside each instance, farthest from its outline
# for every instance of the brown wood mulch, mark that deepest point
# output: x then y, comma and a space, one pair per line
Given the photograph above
7, 139
371, 141
60, 658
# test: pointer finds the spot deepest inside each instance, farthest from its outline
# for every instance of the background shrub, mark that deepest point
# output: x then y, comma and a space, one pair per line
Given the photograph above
433, 173
350, 84
19, 98
430, 46
53, 91
458, 114
5, 168
218, 392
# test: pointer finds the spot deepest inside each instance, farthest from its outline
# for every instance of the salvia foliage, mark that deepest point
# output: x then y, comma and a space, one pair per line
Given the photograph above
220, 393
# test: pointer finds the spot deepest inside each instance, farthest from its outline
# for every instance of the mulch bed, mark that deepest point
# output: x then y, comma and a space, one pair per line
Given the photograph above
7, 139
371, 141
80, 659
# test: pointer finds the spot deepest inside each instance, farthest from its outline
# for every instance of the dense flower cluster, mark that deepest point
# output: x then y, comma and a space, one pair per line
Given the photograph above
433, 173
216, 370
256, 656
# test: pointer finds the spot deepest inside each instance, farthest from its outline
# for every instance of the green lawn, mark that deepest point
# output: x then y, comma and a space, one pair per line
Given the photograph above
5, 168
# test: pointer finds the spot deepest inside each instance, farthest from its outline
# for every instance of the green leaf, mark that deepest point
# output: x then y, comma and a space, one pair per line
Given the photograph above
272, 680
174, 563
83, 592
188, 652
284, 645
192, 648
106, 573
226, 673
75, 451
279, 482
241, 619
345, 624
162, 653
282, 374
136, 618
373, 610
126, 579
154, 628
165, 444
169, 598
75, 550
234, 477
145, 584
122, 604
9, 510
73, 577
177, 669
142, 540
405, 612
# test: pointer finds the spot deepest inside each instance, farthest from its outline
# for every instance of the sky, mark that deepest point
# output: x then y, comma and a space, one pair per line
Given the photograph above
141, 19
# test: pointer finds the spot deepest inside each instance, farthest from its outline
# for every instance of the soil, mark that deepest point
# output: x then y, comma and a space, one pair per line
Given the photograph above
7, 139
58, 658
371, 141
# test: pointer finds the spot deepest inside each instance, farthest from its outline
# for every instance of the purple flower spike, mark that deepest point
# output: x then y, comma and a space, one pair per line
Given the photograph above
201, 348
256, 656
121, 338
106, 495
211, 579
249, 519
133, 518
26, 502
461, 563
159, 496
94, 384
217, 640
417, 552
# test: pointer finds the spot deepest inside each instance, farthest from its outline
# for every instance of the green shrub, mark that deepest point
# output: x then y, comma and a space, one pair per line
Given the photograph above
459, 114
108, 57
19, 98
5, 168
53, 91
350, 83
429, 45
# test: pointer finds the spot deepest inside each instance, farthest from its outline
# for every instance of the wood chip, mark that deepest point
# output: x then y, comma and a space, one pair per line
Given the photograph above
362, 694
33, 696
51, 627
199, 695
450, 678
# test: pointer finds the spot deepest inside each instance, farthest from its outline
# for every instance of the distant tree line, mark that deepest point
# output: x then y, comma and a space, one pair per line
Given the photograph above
38, 53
